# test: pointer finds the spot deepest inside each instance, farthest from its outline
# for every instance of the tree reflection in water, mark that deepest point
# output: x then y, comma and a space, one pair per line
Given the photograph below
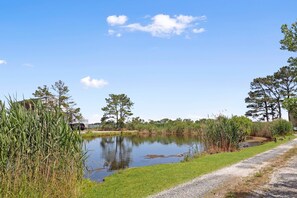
117, 152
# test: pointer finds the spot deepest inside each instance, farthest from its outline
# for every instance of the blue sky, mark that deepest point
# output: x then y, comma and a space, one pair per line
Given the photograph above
173, 58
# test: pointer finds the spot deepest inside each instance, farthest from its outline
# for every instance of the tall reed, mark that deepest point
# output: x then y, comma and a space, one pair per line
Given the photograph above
40, 156
222, 134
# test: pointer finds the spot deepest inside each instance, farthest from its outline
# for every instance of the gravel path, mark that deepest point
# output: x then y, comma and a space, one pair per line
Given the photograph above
202, 186
283, 182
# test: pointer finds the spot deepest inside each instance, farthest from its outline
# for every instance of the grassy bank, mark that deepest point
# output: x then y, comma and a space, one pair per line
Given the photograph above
144, 181
93, 134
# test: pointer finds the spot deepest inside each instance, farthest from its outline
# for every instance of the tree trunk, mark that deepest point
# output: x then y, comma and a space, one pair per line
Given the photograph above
266, 112
279, 109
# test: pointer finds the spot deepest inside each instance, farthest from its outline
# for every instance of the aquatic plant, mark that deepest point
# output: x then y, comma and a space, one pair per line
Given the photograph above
40, 156
222, 134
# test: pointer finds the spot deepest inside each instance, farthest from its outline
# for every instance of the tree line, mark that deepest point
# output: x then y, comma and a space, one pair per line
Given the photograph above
268, 95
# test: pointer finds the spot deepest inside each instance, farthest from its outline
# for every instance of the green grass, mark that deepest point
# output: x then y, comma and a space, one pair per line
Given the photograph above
144, 181
92, 134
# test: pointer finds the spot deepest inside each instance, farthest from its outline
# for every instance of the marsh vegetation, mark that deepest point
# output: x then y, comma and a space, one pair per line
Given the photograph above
40, 156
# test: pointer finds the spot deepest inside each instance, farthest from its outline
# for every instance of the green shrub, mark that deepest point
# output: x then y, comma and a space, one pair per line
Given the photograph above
281, 127
261, 129
244, 124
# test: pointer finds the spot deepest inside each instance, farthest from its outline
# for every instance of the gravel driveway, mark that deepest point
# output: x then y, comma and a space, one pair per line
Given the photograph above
202, 186
283, 182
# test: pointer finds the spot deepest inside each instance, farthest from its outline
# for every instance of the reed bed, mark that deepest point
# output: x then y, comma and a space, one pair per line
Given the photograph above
222, 134
40, 156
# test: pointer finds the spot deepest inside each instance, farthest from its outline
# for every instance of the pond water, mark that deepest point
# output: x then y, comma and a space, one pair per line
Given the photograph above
108, 154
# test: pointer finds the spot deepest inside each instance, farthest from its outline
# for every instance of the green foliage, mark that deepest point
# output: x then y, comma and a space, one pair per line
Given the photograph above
291, 105
222, 134
40, 156
259, 100
45, 94
60, 98
286, 81
261, 129
65, 102
244, 124
270, 129
289, 42
281, 127
166, 126
117, 110
266, 95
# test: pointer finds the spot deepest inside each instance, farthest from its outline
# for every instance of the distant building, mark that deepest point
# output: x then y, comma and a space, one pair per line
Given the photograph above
85, 122
29, 103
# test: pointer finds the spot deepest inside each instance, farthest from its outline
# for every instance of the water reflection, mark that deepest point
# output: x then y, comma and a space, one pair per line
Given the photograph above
107, 154
116, 153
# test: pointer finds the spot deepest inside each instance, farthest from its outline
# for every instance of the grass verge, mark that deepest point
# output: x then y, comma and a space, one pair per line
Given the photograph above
93, 134
144, 181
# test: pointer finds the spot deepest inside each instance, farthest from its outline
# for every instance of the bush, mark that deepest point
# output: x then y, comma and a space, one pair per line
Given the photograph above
281, 127
244, 124
261, 129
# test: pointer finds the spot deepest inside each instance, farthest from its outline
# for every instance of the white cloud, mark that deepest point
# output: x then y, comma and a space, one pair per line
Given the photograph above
164, 25
161, 25
94, 83
198, 30
3, 62
117, 20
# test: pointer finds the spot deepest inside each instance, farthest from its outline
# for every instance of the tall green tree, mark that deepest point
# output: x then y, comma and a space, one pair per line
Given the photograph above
62, 94
45, 94
59, 98
286, 80
289, 42
260, 103
273, 91
118, 109
65, 102
268, 93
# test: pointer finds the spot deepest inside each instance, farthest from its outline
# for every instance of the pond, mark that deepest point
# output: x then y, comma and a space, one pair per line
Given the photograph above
108, 154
